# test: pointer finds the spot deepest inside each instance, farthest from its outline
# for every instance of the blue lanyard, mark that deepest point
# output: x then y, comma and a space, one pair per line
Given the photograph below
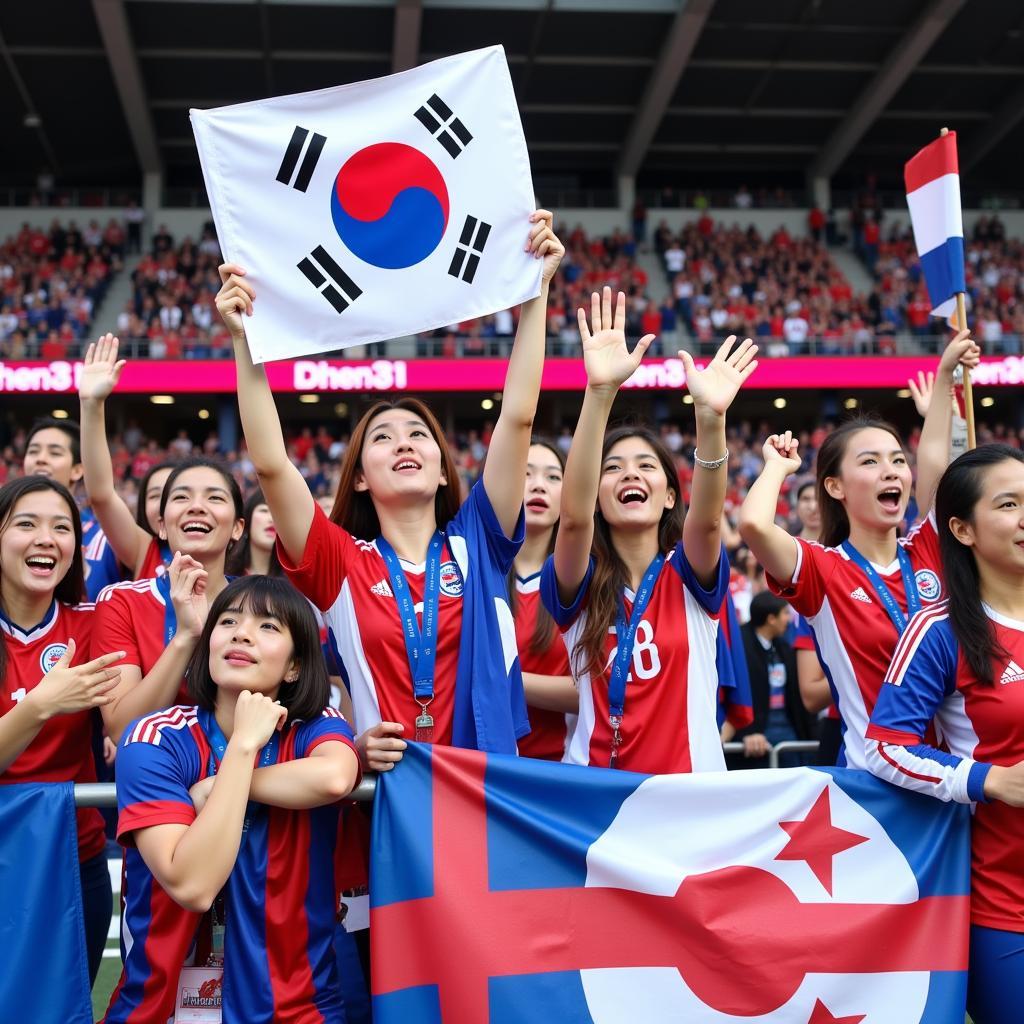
625, 636
420, 642
163, 584
218, 748
899, 620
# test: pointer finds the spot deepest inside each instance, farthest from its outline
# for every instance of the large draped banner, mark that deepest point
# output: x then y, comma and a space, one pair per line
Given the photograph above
374, 210
45, 976
507, 891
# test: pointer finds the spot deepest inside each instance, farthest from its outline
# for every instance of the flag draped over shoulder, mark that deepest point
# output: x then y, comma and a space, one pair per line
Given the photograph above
374, 210
45, 975
508, 891
932, 179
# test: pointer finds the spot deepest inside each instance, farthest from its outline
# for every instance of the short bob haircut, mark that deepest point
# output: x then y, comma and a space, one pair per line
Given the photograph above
268, 596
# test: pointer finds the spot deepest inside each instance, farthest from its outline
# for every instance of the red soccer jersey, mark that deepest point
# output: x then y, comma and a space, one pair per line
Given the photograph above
851, 627
156, 560
348, 580
62, 750
671, 706
132, 617
549, 730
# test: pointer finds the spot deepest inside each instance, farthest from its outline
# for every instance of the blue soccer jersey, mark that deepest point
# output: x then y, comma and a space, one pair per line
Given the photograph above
100, 561
279, 962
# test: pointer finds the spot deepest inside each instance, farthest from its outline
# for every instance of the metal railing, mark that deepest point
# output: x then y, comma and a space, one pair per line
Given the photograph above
104, 794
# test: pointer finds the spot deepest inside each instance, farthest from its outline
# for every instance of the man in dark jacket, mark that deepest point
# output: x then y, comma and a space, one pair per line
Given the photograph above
779, 713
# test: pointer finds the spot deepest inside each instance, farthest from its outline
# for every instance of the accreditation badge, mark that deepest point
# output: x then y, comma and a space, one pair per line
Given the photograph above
199, 995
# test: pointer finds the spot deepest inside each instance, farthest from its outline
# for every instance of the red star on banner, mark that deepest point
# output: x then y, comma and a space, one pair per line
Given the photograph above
816, 840
821, 1014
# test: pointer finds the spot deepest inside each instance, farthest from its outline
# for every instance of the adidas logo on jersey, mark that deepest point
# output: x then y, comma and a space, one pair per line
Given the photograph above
1013, 673
382, 589
860, 594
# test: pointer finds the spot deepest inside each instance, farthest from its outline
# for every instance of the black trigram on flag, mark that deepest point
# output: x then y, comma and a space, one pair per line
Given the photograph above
340, 297
437, 118
469, 250
291, 158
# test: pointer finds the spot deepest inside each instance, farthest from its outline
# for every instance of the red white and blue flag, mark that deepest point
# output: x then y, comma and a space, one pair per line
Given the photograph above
513, 891
932, 179
374, 210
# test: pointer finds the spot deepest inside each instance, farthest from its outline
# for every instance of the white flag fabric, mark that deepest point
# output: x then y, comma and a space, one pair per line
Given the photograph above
374, 210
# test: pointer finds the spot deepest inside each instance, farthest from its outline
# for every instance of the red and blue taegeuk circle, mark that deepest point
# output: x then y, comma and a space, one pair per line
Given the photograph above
389, 204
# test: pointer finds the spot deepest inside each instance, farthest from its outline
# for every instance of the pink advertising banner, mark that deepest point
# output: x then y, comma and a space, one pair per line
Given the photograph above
333, 376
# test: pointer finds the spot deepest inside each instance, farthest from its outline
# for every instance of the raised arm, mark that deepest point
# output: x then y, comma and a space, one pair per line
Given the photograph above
775, 549
137, 694
100, 375
934, 447
608, 364
290, 500
192, 862
713, 390
505, 468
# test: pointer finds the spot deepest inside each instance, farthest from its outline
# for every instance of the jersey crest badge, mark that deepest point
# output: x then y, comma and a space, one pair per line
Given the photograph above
928, 584
451, 580
51, 655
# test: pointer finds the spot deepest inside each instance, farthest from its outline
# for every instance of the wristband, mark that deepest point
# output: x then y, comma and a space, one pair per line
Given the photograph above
714, 463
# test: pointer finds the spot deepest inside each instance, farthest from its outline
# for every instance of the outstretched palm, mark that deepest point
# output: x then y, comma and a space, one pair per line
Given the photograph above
607, 360
102, 369
716, 385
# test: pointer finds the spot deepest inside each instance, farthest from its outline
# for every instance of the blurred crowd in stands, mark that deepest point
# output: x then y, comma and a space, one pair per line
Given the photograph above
783, 289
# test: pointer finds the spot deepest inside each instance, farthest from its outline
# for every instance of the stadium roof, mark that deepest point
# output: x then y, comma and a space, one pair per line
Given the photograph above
680, 92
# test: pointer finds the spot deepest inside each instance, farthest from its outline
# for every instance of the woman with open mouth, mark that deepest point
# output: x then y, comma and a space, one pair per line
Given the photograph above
960, 662
636, 588
158, 621
411, 579
857, 588
47, 688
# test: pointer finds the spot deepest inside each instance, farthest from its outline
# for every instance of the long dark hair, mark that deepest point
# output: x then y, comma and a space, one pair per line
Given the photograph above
353, 510
71, 589
140, 505
835, 524
610, 576
544, 629
238, 562
306, 698
959, 491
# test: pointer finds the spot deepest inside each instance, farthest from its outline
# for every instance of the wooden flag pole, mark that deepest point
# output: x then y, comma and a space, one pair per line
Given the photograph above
961, 319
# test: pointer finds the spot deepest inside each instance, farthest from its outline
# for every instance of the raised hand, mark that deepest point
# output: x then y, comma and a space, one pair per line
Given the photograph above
714, 387
782, 450
256, 719
66, 689
609, 364
544, 243
921, 391
962, 350
188, 594
235, 297
101, 370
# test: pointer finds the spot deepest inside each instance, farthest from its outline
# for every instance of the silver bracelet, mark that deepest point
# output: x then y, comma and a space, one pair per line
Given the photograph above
714, 463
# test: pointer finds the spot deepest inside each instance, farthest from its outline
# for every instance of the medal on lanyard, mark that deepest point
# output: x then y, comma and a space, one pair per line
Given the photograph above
899, 620
420, 641
625, 635
218, 747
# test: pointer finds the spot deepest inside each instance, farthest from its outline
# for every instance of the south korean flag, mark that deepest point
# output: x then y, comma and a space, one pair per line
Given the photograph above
376, 210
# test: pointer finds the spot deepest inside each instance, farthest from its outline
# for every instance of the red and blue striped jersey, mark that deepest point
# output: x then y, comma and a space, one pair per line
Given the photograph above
671, 707
549, 730
852, 630
101, 566
279, 962
981, 724
62, 749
